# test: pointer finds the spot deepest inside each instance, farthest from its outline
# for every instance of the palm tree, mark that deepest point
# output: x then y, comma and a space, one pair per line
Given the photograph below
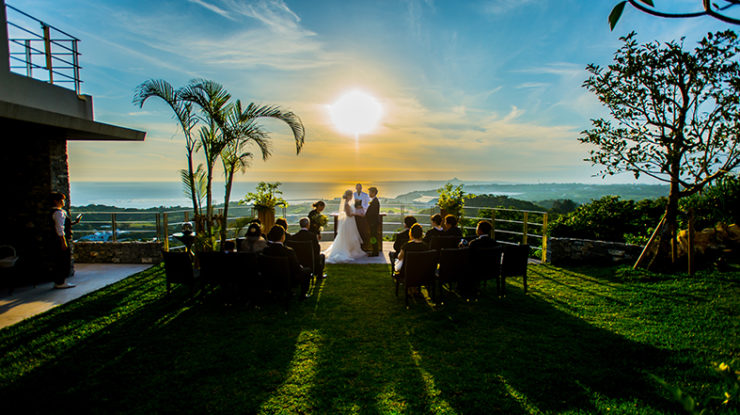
241, 130
213, 101
159, 88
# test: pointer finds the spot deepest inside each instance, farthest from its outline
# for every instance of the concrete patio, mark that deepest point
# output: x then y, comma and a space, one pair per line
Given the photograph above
29, 301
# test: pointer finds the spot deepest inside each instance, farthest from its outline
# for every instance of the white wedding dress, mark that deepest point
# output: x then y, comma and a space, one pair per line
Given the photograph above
347, 246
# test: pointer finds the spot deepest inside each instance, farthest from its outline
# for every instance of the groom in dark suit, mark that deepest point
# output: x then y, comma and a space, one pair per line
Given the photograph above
372, 216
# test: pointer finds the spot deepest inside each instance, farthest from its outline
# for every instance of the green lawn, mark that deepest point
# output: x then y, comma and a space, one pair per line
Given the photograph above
581, 341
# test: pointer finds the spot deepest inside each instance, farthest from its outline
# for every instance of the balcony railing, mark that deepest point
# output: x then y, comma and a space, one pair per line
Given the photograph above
47, 54
510, 225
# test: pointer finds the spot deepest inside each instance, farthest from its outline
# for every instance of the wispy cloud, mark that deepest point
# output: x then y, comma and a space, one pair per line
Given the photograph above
496, 7
213, 8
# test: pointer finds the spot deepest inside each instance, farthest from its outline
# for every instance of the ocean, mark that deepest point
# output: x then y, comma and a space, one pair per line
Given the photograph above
142, 195
154, 194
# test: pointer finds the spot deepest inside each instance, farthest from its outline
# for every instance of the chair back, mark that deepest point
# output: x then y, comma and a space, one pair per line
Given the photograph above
304, 252
240, 244
442, 242
8, 256
275, 271
453, 262
485, 263
419, 267
213, 267
178, 267
515, 259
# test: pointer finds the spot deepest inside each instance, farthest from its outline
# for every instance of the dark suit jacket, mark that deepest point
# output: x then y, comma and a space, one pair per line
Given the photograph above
401, 238
372, 215
431, 233
454, 232
308, 236
280, 250
483, 241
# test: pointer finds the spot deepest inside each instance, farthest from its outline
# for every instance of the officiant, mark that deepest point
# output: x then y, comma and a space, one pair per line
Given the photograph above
362, 202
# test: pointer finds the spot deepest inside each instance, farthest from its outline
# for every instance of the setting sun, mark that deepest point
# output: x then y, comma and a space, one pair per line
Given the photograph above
355, 113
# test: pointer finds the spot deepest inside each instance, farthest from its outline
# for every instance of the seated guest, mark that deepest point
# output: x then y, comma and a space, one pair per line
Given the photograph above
259, 224
253, 241
305, 234
484, 240
437, 229
276, 247
315, 217
451, 228
401, 238
415, 243
284, 223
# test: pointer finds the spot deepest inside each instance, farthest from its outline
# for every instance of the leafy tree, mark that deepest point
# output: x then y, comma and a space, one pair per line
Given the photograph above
159, 88
451, 199
677, 115
715, 9
719, 202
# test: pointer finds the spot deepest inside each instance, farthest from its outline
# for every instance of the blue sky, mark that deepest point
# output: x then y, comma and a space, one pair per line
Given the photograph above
481, 90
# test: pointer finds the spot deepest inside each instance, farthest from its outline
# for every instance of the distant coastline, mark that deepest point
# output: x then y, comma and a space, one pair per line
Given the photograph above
142, 195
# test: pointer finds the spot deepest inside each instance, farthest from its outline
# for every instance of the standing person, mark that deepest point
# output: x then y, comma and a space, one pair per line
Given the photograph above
315, 217
347, 246
372, 216
60, 250
361, 203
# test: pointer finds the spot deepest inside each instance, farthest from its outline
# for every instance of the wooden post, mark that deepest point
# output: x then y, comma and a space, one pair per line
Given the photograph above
113, 226
691, 242
47, 52
166, 232
159, 223
380, 232
336, 222
493, 223
649, 242
524, 228
544, 238
187, 216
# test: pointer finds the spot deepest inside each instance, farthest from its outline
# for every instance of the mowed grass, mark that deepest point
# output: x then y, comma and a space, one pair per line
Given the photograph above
581, 341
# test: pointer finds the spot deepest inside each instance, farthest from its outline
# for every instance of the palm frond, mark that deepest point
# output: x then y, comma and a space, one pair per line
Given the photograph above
266, 111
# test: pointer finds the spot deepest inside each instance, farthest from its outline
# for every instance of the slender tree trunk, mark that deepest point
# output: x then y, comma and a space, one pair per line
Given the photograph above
666, 241
191, 176
227, 198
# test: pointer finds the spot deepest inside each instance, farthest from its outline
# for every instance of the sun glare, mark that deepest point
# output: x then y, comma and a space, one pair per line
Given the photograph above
356, 113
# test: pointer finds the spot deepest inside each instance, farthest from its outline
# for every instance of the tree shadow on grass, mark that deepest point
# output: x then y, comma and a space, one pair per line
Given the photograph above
173, 354
545, 359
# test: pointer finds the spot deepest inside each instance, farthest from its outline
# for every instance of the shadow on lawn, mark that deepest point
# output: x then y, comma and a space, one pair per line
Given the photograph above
352, 348
515, 355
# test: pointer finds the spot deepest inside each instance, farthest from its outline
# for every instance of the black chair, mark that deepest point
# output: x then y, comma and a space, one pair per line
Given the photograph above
8, 258
485, 265
418, 270
240, 247
441, 242
178, 269
213, 268
305, 254
275, 274
241, 276
514, 263
453, 263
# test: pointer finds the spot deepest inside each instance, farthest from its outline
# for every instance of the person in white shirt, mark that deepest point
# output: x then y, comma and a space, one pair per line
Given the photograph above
61, 253
362, 201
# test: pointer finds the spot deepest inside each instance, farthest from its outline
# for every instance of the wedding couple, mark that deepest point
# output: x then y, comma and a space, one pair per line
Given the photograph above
357, 227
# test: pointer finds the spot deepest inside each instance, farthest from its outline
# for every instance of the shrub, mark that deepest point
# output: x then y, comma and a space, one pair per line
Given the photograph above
719, 202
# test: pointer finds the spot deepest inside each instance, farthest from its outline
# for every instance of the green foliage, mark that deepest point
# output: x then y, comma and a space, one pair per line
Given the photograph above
451, 199
719, 202
500, 201
610, 219
266, 196
725, 396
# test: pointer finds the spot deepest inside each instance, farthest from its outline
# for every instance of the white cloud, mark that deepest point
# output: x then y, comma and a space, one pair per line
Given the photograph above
496, 7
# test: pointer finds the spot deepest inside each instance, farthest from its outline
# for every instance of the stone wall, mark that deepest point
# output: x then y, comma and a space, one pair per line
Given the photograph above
118, 252
571, 251
33, 163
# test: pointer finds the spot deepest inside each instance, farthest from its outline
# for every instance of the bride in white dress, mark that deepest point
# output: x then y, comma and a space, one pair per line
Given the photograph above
347, 246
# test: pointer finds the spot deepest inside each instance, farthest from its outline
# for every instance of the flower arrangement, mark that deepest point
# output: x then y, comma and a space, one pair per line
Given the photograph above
451, 199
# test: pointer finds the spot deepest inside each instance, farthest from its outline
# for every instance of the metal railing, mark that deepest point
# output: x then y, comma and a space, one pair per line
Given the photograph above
51, 55
510, 225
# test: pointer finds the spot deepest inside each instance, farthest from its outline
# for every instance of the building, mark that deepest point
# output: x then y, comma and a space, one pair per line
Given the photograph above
40, 110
